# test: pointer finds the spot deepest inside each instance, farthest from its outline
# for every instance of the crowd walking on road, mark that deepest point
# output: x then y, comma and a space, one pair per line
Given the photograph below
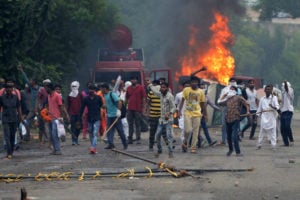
126, 106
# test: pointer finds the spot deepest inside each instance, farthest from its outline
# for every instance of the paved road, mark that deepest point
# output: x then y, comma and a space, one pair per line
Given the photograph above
276, 174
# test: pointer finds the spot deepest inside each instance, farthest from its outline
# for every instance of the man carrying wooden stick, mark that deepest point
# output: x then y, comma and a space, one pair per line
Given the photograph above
113, 108
268, 119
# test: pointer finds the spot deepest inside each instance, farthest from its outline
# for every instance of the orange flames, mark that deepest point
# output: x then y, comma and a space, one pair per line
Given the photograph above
216, 57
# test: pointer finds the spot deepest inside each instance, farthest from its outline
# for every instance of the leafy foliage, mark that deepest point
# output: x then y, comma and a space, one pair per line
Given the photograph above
272, 8
48, 36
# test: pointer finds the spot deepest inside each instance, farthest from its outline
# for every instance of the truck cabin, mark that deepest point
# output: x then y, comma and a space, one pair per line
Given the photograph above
130, 54
114, 62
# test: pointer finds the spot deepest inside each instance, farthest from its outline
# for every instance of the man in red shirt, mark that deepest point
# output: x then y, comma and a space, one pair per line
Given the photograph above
56, 108
74, 101
135, 99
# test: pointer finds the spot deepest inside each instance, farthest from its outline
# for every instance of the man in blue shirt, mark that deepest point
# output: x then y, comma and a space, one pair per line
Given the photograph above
113, 106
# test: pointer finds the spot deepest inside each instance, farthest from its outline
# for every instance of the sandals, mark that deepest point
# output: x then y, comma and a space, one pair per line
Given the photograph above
193, 150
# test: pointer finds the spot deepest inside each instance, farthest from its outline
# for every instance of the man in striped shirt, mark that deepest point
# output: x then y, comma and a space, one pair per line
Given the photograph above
154, 113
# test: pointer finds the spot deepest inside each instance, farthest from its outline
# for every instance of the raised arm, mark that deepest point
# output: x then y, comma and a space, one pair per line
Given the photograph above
20, 68
155, 90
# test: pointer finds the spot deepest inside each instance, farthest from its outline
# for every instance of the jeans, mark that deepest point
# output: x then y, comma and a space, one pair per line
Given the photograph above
232, 136
286, 130
75, 131
153, 122
9, 132
134, 117
93, 128
168, 127
205, 130
118, 125
252, 121
54, 135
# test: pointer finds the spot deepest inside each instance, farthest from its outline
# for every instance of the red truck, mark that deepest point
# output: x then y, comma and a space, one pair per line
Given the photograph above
120, 59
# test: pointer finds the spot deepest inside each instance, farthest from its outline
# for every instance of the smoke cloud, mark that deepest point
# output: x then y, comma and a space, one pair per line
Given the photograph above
164, 30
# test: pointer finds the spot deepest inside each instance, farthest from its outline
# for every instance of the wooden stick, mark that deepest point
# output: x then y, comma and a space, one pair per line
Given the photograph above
245, 115
104, 134
199, 70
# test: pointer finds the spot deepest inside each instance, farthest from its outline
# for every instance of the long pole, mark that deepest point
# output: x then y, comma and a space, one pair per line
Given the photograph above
107, 130
134, 156
160, 165
245, 115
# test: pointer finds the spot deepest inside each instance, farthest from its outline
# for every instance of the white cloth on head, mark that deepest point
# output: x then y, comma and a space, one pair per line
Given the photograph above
46, 81
74, 89
127, 84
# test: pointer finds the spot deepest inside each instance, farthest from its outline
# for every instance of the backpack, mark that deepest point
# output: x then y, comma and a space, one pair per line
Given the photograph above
123, 108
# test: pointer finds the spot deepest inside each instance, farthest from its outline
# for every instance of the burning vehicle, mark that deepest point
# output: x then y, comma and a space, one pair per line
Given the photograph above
218, 61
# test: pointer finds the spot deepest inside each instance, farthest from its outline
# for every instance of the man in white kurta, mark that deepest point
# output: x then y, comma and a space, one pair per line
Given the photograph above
178, 98
267, 109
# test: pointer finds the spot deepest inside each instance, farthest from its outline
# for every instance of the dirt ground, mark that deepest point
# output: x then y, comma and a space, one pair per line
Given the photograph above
276, 174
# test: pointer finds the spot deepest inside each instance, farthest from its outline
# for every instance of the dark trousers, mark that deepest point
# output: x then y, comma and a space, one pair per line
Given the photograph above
75, 130
9, 132
232, 136
119, 126
153, 123
252, 122
203, 125
134, 118
286, 130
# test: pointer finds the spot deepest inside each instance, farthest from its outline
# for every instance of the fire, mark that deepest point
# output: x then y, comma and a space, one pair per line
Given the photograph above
216, 57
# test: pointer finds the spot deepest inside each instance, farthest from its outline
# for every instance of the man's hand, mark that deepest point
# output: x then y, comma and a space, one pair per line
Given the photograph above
179, 115
118, 113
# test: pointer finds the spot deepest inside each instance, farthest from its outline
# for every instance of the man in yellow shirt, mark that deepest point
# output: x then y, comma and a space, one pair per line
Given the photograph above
195, 103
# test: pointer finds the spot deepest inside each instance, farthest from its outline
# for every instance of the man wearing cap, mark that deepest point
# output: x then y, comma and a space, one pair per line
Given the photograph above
41, 99
135, 99
12, 115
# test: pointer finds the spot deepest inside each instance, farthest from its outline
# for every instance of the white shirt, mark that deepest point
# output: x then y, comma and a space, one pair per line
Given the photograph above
251, 98
287, 100
268, 119
225, 90
177, 102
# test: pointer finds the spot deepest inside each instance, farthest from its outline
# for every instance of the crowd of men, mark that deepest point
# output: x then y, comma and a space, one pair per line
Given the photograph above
99, 110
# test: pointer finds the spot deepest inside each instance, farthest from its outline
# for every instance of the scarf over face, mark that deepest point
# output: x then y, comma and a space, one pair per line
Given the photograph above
74, 89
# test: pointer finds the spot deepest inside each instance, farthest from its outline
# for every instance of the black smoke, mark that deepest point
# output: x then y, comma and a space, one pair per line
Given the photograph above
164, 30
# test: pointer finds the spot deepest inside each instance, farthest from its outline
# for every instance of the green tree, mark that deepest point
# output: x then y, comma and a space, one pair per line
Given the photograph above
270, 8
48, 36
